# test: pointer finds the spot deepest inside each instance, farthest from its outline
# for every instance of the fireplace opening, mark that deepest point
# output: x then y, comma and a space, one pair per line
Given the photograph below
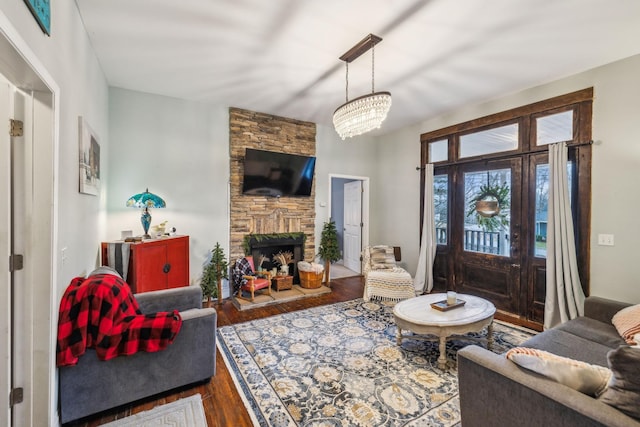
270, 244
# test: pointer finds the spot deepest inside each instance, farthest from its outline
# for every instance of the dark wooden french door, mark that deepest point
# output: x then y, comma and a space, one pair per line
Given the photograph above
487, 250
499, 257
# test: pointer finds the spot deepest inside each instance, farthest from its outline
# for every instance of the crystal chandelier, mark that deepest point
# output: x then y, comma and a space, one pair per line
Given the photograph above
367, 112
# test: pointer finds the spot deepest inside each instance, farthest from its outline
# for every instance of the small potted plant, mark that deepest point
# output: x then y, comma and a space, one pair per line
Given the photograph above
216, 268
329, 250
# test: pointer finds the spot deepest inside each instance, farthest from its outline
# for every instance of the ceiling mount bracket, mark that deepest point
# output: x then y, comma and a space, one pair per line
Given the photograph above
361, 47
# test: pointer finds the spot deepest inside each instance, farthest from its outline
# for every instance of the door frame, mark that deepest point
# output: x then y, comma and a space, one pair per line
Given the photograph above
23, 69
365, 202
580, 150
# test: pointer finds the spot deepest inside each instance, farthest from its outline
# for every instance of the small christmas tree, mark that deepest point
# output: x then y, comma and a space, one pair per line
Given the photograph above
214, 271
329, 250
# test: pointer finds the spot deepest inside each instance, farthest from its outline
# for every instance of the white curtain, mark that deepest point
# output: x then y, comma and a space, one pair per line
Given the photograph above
423, 282
564, 299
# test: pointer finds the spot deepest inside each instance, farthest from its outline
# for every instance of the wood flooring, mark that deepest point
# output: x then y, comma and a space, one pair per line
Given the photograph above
222, 404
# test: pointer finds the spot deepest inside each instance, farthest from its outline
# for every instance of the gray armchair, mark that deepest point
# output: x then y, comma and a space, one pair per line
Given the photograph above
93, 385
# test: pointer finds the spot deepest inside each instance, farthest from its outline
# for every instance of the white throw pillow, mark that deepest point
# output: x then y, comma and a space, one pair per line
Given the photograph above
583, 377
382, 257
627, 323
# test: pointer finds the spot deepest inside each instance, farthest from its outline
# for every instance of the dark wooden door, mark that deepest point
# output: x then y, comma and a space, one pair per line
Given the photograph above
487, 245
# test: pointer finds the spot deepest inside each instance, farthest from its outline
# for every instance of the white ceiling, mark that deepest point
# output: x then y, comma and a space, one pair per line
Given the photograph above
281, 56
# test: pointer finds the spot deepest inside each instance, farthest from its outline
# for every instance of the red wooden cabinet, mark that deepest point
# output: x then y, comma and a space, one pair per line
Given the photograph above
156, 263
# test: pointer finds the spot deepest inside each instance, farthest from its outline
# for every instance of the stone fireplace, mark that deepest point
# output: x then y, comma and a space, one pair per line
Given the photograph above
253, 215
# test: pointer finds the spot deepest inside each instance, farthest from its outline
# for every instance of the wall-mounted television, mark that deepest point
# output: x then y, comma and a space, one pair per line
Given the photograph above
272, 174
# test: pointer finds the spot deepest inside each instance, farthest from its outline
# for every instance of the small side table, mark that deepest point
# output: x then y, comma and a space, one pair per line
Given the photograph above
283, 282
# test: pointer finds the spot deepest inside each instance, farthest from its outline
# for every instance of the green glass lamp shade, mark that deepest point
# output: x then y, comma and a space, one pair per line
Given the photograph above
145, 201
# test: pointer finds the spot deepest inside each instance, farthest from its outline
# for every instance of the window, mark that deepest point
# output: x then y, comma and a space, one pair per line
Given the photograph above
496, 140
438, 151
554, 128
487, 233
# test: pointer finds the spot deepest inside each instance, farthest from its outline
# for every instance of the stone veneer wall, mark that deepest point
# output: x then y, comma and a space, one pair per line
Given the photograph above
265, 215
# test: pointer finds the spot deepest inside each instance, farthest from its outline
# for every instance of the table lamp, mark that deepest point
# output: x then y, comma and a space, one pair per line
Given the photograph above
145, 201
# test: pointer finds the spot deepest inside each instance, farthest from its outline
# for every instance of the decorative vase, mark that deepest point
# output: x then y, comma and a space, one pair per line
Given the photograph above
284, 270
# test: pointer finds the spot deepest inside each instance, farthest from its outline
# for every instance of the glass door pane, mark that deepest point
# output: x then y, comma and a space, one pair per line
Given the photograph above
441, 207
487, 219
542, 204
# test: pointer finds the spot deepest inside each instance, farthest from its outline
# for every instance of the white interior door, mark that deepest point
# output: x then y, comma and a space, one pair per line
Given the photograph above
5, 250
352, 225
27, 340
21, 108
15, 183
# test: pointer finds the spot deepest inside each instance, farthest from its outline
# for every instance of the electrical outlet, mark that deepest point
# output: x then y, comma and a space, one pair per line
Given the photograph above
605, 239
63, 255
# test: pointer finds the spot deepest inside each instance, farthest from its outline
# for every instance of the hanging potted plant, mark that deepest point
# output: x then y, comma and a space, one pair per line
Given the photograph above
329, 250
489, 206
215, 269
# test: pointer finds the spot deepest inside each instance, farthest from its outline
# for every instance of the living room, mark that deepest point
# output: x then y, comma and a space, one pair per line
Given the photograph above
179, 149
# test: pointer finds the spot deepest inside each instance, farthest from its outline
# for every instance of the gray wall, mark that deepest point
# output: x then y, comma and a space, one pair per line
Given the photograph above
180, 150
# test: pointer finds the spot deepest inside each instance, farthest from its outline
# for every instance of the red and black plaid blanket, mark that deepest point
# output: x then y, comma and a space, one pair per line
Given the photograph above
100, 312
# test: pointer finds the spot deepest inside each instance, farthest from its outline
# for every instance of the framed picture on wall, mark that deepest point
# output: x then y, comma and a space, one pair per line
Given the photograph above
89, 159
41, 10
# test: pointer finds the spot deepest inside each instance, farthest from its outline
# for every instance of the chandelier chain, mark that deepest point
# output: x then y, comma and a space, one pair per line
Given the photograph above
373, 63
346, 95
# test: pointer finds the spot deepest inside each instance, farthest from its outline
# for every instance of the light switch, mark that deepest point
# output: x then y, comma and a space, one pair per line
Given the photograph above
605, 239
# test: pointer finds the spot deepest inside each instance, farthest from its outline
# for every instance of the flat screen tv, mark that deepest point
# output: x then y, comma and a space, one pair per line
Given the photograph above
272, 174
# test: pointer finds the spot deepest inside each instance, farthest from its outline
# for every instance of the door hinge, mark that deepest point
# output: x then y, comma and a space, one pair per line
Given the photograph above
15, 127
16, 262
16, 396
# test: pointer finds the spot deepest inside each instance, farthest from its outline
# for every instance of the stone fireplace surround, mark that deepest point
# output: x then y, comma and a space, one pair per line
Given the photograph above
256, 215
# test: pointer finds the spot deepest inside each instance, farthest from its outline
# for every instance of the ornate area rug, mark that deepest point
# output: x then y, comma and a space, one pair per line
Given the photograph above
339, 365
187, 412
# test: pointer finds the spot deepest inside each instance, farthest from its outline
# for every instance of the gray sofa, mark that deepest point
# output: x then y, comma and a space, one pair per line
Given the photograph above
496, 392
93, 386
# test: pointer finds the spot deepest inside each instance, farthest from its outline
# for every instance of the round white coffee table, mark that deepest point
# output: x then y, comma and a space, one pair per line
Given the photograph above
417, 315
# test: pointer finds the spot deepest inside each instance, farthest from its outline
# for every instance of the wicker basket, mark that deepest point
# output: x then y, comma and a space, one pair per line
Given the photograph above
310, 279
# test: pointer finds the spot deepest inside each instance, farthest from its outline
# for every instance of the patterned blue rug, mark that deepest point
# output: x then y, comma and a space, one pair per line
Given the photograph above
339, 365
